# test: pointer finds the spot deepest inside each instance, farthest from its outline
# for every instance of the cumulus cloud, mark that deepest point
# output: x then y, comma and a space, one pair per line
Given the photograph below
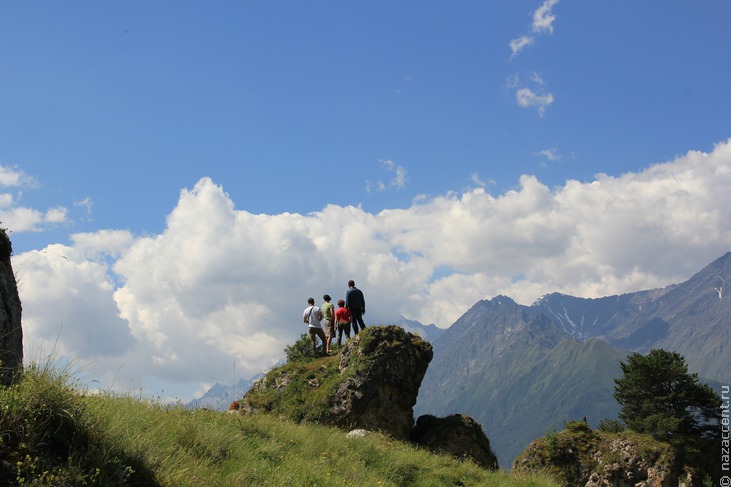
68, 304
221, 286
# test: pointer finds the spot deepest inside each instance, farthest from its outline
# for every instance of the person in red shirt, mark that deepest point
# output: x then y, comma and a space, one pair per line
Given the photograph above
343, 317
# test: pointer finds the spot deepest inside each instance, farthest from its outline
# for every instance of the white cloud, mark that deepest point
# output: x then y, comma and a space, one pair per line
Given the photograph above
12, 177
478, 181
543, 18
520, 43
22, 219
221, 286
6, 200
68, 305
19, 218
549, 154
397, 181
58, 214
512, 81
102, 243
87, 204
526, 98
542, 24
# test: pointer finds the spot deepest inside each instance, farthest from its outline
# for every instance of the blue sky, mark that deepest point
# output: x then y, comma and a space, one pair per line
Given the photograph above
437, 152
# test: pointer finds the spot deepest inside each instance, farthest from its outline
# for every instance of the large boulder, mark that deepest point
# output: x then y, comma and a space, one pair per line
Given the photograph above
372, 385
457, 435
11, 332
382, 369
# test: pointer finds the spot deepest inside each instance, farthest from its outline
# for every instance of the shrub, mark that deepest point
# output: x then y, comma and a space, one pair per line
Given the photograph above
301, 350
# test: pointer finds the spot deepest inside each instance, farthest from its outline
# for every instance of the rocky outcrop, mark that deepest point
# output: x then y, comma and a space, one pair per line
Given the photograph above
579, 456
458, 435
371, 386
11, 332
382, 370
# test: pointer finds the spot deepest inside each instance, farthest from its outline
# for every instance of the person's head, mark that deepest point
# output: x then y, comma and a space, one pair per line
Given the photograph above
311, 301
326, 298
351, 283
341, 303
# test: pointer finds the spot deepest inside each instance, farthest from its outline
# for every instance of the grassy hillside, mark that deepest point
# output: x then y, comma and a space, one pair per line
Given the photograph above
52, 434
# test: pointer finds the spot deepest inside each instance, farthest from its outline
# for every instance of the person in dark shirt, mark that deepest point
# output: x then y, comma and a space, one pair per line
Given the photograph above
355, 302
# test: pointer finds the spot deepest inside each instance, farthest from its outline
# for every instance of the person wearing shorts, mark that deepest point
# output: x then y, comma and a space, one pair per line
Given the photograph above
328, 325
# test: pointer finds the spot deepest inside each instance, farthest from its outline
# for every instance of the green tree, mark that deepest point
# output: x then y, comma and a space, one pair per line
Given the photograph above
659, 397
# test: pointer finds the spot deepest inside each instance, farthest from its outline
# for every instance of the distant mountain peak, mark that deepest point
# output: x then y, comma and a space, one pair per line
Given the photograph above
499, 301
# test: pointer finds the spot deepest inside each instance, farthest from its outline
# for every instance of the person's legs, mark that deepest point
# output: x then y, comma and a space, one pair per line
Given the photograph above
347, 329
321, 335
313, 337
354, 322
357, 320
343, 327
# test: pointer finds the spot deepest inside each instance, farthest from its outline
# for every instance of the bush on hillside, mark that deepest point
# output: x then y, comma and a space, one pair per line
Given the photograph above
301, 350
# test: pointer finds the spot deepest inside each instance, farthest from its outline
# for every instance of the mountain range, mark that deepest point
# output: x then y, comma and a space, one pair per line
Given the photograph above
692, 318
522, 371
219, 397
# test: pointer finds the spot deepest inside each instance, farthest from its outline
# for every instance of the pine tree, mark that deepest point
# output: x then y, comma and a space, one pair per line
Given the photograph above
659, 397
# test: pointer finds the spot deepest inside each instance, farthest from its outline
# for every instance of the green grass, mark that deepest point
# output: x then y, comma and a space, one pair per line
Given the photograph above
55, 435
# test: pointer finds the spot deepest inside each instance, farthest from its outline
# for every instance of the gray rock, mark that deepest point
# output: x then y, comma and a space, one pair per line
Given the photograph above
383, 368
11, 332
585, 457
458, 435
359, 433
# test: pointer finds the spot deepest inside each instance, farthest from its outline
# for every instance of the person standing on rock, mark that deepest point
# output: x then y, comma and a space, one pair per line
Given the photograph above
355, 302
313, 316
328, 315
342, 320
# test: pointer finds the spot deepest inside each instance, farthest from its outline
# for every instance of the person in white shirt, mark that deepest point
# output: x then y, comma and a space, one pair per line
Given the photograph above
313, 316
